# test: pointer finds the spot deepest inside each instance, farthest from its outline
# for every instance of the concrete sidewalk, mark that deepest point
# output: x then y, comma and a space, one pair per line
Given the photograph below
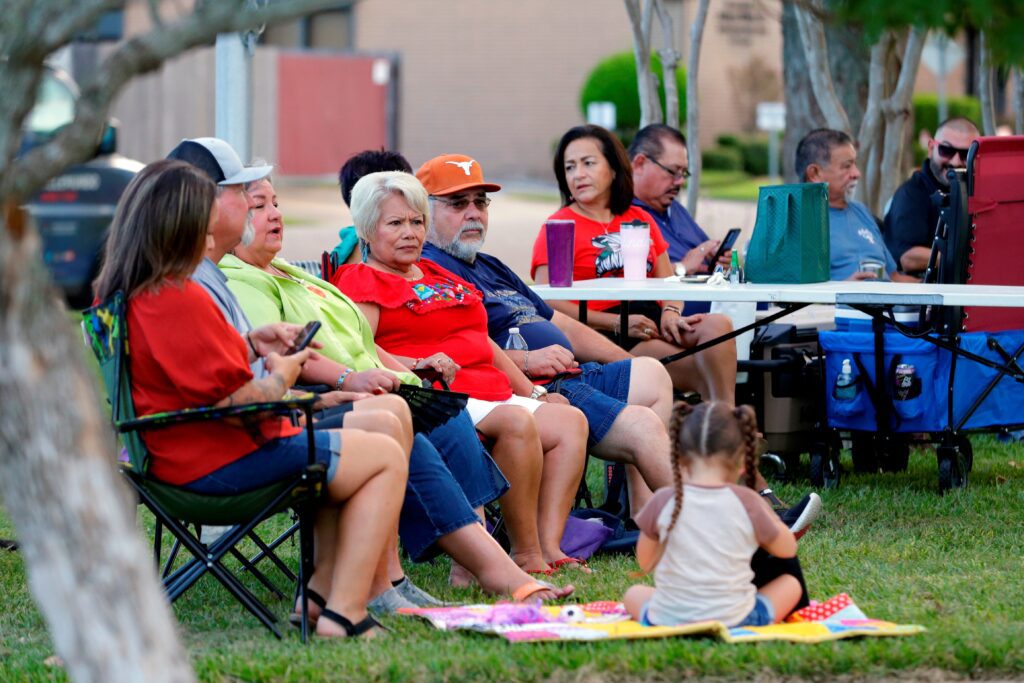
313, 214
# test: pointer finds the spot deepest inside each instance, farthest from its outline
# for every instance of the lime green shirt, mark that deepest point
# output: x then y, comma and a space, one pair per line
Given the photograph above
266, 298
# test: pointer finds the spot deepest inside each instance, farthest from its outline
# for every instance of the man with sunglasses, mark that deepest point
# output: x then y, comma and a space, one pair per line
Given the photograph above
910, 223
660, 169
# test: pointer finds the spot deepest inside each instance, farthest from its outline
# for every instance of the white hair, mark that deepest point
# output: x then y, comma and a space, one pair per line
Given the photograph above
371, 191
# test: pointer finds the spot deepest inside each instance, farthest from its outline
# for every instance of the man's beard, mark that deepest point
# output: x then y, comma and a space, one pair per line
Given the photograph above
249, 232
465, 251
851, 191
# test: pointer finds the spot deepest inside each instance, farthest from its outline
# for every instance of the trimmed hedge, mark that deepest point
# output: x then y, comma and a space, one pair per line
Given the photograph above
926, 110
722, 159
728, 140
614, 80
755, 155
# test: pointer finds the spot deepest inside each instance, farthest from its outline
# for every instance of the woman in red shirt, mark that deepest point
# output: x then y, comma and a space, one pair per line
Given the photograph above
424, 315
596, 183
184, 354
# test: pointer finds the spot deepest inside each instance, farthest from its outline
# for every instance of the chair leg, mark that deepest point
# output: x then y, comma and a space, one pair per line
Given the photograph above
305, 523
260, 576
269, 551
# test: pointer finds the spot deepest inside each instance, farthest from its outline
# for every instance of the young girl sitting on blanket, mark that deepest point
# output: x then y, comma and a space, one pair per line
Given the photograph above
699, 538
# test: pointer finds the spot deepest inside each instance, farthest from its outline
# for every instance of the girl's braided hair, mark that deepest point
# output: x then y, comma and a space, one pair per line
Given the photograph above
706, 430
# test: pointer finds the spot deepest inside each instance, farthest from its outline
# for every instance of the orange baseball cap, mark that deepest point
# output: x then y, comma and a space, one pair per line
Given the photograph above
451, 173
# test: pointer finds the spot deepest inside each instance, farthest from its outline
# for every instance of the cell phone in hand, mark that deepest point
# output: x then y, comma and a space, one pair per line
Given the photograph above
565, 374
305, 336
726, 245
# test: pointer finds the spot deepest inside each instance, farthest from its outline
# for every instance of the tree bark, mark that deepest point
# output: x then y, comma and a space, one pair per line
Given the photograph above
985, 78
812, 35
1018, 101
640, 19
693, 105
669, 63
848, 60
87, 566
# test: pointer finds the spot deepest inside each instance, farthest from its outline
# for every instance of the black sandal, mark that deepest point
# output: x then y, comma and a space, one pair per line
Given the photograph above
295, 618
351, 630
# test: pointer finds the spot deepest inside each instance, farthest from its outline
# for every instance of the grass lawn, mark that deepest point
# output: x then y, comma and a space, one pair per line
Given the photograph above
903, 553
732, 185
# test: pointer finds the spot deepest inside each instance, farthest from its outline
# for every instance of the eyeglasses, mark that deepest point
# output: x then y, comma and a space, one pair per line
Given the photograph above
462, 203
948, 151
680, 174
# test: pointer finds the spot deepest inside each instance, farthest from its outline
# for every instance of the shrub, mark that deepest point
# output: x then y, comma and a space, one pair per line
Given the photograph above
614, 80
728, 140
755, 155
926, 110
722, 159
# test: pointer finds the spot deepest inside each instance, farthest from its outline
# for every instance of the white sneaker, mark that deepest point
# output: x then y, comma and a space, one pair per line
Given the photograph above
807, 515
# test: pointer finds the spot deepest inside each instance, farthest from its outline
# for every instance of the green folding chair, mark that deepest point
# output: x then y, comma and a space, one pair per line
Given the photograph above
176, 508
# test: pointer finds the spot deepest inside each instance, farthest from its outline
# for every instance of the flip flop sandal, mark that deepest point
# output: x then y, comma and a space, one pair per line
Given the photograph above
351, 630
522, 593
579, 564
295, 618
541, 572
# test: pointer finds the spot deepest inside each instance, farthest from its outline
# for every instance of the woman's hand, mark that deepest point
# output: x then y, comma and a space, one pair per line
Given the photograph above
288, 367
641, 327
276, 338
548, 361
553, 398
373, 381
440, 362
332, 399
674, 326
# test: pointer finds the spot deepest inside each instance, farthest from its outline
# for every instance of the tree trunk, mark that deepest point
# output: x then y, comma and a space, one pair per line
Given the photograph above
897, 111
848, 57
88, 569
647, 83
693, 105
669, 63
985, 78
812, 35
1018, 101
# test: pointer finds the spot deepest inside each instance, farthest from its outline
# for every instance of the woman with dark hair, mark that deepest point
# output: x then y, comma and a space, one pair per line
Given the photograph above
596, 183
184, 354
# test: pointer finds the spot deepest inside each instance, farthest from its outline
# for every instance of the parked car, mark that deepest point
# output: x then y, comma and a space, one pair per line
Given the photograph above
73, 211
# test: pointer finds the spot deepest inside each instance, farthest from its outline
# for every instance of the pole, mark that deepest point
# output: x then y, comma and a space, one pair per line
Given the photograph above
233, 101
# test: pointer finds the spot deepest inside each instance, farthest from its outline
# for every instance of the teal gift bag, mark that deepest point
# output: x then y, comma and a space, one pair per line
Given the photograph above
790, 243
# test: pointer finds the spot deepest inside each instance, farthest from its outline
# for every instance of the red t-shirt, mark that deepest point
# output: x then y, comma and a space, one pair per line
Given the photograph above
183, 354
439, 313
597, 252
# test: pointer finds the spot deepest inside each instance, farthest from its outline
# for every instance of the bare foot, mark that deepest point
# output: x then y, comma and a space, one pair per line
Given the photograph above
571, 563
460, 577
334, 625
532, 563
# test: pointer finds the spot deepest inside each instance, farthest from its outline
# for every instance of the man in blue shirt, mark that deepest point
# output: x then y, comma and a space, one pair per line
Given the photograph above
829, 156
627, 401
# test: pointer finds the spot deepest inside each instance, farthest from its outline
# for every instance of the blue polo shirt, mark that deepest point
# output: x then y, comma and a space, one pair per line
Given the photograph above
509, 301
854, 235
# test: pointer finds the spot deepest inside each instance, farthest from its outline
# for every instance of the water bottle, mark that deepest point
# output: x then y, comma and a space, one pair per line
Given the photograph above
515, 341
846, 389
735, 274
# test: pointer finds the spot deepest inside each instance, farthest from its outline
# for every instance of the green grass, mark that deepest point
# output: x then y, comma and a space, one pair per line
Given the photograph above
903, 553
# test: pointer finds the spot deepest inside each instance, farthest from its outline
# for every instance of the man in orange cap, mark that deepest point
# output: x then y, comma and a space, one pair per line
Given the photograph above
627, 400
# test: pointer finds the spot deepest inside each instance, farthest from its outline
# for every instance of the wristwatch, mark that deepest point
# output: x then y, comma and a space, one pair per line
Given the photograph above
538, 392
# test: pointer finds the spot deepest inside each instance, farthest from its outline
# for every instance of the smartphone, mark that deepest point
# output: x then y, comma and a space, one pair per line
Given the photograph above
726, 245
305, 336
565, 374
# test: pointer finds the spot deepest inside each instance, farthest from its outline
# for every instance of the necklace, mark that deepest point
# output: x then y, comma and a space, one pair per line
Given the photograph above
578, 208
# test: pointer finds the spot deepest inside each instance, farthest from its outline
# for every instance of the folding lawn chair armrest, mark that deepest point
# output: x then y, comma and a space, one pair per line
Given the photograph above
159, 420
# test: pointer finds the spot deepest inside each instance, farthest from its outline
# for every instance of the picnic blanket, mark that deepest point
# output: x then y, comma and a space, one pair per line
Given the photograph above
833, 619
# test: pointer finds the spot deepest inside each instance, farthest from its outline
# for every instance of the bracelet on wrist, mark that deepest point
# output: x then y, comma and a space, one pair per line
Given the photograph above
341, 379
674, 309
526, 362
248, 338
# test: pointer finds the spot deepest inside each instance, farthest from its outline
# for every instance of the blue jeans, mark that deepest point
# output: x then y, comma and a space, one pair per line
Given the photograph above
763, 613
600, 391
272, 462
450, 474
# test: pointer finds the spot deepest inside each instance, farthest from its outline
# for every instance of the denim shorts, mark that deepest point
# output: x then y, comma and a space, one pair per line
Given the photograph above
450, 474
763, 613
274, 461
600, 391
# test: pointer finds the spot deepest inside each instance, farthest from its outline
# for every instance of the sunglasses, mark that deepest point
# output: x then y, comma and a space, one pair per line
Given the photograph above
462, 203
948, 151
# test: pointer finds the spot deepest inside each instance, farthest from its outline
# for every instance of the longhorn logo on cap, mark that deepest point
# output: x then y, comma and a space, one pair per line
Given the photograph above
464, 165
